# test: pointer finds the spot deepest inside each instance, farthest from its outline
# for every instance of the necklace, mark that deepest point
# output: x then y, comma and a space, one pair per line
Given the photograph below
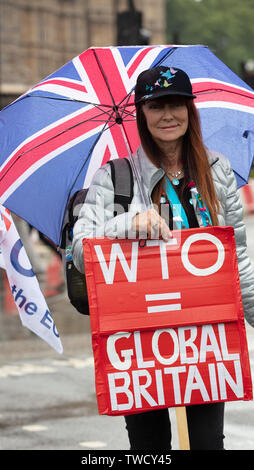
175, 180
175, 174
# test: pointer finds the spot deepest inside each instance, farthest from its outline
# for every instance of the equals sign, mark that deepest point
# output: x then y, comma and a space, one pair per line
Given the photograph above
163, 307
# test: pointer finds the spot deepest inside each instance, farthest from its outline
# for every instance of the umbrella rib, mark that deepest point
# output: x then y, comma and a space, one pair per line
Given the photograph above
207, 92
109, 127
80, 170
89, 153
127, 97
128, 113
221, 91
98, 106
62, 99
126, 104
105, 78
172, 50
103, 111
105, 128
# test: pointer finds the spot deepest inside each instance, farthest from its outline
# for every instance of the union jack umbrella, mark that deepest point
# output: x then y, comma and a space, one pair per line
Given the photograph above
54, 137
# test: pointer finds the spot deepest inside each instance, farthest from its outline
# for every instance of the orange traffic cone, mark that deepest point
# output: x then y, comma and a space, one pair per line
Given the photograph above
247, 196
54, 277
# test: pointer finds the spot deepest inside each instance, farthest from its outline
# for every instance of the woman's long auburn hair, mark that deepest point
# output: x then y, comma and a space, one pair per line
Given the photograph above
194, 155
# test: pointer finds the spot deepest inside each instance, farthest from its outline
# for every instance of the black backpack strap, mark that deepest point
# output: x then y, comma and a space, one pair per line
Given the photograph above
71, 215
122, 178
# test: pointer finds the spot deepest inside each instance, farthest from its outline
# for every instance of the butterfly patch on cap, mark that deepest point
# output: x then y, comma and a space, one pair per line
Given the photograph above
160, 81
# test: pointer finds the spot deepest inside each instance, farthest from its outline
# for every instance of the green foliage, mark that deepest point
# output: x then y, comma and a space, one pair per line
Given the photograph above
225, 26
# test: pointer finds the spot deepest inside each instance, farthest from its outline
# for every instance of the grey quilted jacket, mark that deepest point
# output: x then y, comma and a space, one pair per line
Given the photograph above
96, 217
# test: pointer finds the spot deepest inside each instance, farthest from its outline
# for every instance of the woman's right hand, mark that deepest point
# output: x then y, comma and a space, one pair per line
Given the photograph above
151, 224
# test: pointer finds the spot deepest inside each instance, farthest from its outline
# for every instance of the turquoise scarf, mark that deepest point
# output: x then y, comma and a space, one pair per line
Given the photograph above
179, 215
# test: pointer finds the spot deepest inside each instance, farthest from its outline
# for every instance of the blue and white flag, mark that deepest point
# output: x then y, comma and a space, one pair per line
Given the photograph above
30, 302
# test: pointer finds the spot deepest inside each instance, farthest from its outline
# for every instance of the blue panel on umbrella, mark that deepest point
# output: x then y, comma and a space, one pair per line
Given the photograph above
38, 112
229, 139
35, 200
200, 62
127, 53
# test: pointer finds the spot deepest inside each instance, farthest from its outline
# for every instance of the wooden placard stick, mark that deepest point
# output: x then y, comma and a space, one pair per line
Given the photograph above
182, 426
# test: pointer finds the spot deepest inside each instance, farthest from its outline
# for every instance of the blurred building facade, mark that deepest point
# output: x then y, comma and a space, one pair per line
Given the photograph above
36, 38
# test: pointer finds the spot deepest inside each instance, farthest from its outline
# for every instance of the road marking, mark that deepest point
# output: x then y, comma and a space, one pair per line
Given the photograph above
74, 362
24, 369
18, 370
34, 428
92, 444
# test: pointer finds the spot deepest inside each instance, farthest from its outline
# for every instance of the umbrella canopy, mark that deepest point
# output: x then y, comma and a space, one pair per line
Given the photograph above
55, 136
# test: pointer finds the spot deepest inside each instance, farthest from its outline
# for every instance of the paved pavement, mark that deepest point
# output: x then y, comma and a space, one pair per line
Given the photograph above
48, 401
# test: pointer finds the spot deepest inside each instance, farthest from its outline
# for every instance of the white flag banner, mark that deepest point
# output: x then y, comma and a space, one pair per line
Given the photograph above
2, 233
30, 302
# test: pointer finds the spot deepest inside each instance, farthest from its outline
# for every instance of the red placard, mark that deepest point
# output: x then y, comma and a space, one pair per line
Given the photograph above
167, 321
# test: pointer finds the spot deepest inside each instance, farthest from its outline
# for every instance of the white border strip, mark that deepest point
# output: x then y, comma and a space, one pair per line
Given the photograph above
225, 105
213, 80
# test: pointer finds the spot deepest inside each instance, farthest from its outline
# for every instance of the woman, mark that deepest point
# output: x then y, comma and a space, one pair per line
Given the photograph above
198, 188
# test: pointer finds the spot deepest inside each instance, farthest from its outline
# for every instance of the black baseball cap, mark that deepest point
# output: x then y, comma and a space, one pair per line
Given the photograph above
162, 81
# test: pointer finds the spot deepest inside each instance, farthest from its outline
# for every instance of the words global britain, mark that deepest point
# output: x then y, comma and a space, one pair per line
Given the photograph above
167, 321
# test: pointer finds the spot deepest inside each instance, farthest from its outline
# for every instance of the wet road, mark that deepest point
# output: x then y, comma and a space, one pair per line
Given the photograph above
48, 401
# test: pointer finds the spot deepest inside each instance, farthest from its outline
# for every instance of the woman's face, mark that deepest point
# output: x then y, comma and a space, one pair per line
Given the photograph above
166, 119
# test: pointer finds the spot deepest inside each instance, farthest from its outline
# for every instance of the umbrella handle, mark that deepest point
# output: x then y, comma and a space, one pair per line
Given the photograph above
135, 170
140, 185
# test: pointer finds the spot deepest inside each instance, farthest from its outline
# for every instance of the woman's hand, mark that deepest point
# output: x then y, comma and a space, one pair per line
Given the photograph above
151, 224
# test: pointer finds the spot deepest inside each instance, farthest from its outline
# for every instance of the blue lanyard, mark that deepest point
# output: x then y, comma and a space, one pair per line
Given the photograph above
179, 215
